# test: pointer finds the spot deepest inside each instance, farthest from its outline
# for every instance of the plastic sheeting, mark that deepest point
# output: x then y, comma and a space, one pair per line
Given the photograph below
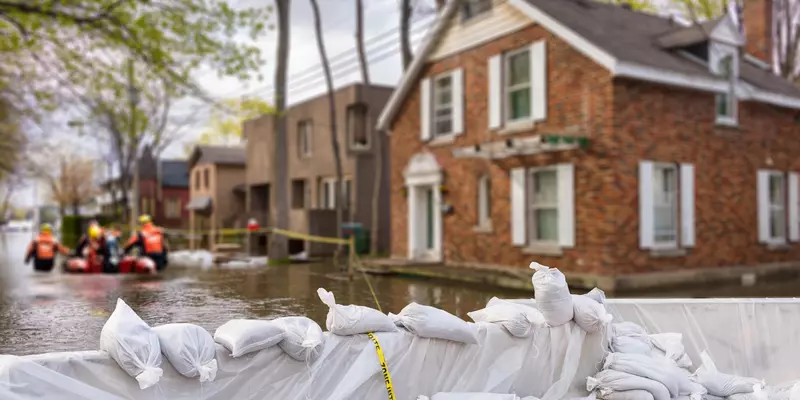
348, 369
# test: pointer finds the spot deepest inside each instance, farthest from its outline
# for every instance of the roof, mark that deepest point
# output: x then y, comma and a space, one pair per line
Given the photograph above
174, 173
220, 155
628, 43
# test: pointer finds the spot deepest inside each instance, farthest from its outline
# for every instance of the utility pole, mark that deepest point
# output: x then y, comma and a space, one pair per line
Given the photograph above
133, 97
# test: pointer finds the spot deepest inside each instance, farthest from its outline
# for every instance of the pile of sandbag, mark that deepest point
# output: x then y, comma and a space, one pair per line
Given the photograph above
640, 366
191, 259
474, 396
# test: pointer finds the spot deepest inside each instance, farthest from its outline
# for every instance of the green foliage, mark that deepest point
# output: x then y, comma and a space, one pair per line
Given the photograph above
636, 5
70, 226
701, 10
225, 124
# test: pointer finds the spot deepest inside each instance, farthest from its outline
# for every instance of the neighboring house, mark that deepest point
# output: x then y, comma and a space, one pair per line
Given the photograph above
164, 190
595, 139
311, 174
215, 203
110, 198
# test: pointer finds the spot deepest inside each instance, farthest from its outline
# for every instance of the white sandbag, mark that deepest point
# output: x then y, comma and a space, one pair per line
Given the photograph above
646, 367
431, 322
758, 393
244, 336
302, 338
671, 346
352, 319
552, 294
511, 318
473, 396
620, 381
190, 349
721, 384
532, 313
636, 394
590, 315
597, 295
133, 345
630, 338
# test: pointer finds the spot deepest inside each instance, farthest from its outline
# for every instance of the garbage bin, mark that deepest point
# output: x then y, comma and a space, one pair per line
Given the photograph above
360, 234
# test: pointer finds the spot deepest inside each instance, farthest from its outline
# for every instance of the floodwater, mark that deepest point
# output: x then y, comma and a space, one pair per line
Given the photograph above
58, 312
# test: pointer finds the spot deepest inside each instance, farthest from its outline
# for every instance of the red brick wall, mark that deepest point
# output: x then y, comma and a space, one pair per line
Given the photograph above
575, 84
148, 188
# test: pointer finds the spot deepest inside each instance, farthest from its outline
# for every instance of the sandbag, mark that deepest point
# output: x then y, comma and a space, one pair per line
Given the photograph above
190, 349
552, 294
671, 346
758, 393
646, 367
133, 345
511, 318
302, 338
590, 315
597, 295
630, 338
532, 313
636, 394
244, 336
431, 322
469, 396
352, 319
721, 384
617, 381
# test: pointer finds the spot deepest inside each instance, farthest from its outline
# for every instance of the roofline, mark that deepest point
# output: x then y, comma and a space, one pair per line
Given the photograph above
594, 52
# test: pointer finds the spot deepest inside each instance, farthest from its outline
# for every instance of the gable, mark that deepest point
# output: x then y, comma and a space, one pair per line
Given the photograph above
458, 36
727, 32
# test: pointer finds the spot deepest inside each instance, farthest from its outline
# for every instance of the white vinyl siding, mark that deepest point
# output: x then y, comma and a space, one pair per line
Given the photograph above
666, 190
442, 105
543, 206
518, 86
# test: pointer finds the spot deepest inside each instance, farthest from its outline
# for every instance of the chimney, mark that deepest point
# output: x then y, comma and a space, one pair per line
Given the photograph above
758, 28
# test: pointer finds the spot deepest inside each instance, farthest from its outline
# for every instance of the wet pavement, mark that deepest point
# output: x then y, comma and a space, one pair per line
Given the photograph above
58, 312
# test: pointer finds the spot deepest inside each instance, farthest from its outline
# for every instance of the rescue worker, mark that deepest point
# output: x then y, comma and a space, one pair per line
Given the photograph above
43, 249
98, 251
149, 240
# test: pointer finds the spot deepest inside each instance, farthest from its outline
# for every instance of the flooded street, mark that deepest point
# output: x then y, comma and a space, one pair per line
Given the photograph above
56, 312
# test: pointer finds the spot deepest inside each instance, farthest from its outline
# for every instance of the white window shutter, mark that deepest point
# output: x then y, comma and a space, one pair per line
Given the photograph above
539, 81
425, 124
763, 206
646, 205
457, 78
566, 205
518, 220
794, 216
495, 91
687, 205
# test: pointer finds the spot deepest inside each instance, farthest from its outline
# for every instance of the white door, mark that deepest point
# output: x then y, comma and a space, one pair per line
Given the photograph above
426, 240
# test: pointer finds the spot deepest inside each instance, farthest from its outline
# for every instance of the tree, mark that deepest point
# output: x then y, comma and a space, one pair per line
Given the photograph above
337, 156
71, 183
9, 185
226, 123
637, 5
12, 139
278, 244
406, 11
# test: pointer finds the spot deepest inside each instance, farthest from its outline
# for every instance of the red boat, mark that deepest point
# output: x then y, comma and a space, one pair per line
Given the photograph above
128, 265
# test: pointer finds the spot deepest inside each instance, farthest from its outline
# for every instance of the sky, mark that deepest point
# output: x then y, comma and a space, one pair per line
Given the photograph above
306, 78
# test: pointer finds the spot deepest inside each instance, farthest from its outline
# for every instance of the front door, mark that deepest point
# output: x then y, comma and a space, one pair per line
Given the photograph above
425, 240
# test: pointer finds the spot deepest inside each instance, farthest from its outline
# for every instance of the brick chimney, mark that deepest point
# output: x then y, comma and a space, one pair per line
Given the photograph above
758, 28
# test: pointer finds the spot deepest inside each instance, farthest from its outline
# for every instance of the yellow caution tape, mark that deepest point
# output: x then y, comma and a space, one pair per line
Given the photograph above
302, 236
387, 379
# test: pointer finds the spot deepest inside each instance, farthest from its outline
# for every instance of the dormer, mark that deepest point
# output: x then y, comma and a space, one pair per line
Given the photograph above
717, 44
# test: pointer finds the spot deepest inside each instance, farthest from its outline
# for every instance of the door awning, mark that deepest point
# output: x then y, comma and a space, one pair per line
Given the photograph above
200, 203
523, 146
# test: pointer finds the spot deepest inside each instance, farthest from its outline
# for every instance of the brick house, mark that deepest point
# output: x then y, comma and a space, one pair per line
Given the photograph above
590, 137
164, 190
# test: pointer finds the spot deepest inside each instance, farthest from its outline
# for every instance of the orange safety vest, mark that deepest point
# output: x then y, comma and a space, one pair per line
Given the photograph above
46, 247
153, 240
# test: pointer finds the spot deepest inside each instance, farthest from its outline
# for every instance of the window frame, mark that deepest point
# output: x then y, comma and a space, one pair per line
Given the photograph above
358, 114
532, 206
465, 9
207, 178
778, 209
304, 191
197, 180
675, 206
484, 201
436, 106
327, 187
305, 131
172, 208
507, 89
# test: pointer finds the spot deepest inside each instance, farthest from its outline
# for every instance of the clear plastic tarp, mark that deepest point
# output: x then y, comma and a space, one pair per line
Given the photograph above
749, 337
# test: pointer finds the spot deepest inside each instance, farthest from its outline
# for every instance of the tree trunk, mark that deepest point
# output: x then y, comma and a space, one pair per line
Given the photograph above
405, 27
279, 248
440, 5
332, 110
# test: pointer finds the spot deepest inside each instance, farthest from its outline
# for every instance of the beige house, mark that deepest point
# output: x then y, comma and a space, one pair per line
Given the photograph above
217, 199
311, 165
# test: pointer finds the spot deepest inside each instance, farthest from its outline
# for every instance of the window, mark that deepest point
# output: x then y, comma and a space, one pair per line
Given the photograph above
443, 105
172, 208
484, 201
327, 193
665, 204
304, 132
543, 205
207, 178
777, 207
298, 194
197, 180
357, 126
726, 101
518, 85
472, 8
